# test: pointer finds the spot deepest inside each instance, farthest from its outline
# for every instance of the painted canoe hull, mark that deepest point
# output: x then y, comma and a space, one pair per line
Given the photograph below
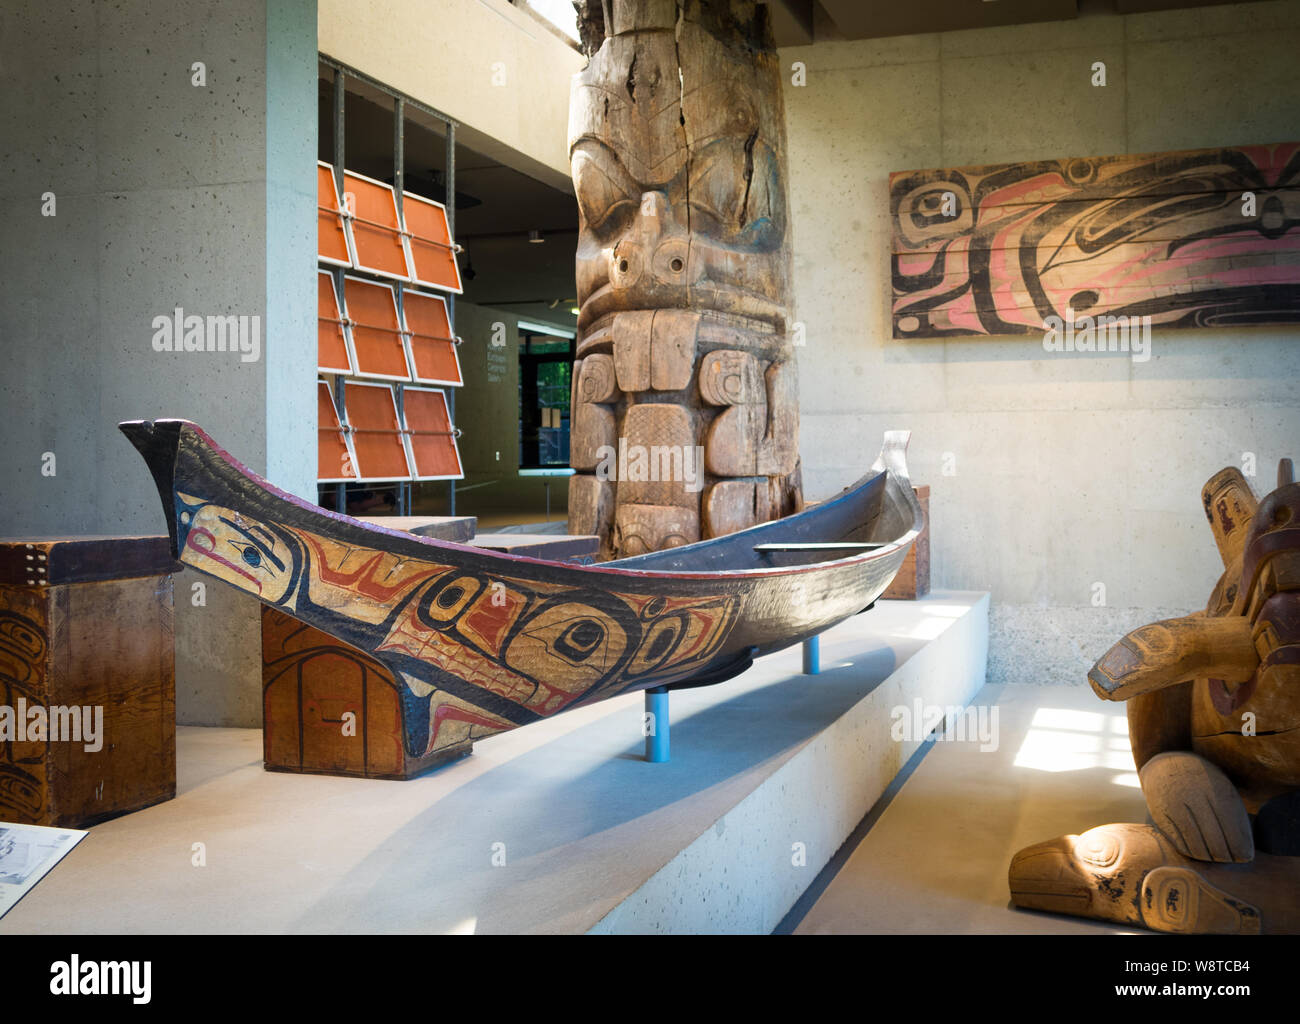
484, 642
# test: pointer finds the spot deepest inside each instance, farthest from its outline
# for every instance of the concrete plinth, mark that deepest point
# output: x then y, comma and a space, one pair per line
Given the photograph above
935, 861
558, 827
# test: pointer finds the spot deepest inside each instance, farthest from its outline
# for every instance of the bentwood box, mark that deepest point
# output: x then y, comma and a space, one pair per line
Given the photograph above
913, 579
330, 709
87, 678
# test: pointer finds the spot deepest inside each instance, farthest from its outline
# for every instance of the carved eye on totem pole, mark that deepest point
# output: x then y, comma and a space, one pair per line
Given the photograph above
676, 143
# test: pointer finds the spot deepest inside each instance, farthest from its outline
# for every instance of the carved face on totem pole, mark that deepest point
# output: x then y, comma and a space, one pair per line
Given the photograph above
685, 415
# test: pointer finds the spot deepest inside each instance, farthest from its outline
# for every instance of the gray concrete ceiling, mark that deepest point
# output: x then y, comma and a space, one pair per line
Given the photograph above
497, 205
801, 22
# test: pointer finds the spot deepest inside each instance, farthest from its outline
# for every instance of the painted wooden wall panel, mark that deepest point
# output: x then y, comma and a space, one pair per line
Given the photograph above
998, 249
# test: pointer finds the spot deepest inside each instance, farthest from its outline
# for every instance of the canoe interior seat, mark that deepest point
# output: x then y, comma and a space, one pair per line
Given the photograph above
820, 546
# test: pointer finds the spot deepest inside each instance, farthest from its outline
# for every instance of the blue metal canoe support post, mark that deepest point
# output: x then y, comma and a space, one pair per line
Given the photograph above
812, 656
655, 725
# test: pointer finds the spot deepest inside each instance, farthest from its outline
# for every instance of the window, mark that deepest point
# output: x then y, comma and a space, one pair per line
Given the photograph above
557, 15
545, 386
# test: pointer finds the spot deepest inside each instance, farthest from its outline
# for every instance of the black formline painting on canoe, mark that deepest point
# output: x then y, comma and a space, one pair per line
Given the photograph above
482, 642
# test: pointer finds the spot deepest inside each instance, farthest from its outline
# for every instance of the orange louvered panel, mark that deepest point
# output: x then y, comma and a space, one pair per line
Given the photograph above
376, 432
334, 461
433, 261
333, 354
331, 233
376, 331
433, 351
432, 441
367, 328
376, 230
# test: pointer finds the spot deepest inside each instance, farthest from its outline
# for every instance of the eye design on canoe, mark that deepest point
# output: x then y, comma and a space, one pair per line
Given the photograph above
258, 543
661, 640
580, 639
588, 641
442, 605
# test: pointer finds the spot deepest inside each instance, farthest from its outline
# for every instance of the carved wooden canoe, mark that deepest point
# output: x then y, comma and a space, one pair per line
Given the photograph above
485, 642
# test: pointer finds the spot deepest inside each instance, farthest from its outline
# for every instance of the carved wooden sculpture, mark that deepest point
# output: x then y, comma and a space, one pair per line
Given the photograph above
677, 144
1214, 718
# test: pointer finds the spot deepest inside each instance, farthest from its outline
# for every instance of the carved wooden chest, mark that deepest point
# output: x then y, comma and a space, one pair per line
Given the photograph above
87, 678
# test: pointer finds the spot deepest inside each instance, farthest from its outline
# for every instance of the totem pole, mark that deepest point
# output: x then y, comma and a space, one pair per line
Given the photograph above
685, 418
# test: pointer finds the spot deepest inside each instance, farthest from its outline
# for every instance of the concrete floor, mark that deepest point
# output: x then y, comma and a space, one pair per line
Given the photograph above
935, 861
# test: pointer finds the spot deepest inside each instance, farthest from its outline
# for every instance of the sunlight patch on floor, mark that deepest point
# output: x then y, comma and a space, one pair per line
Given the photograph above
1065, 740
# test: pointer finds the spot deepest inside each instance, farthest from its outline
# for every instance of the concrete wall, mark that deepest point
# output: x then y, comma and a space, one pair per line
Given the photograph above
489, 65
291, 109
167, 194
1074, 469
488, 413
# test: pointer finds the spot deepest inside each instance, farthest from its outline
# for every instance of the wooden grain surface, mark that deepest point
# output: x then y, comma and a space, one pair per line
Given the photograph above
998, 249
106, 645
312, 681
24, 676
913, 579
41, 561
677, 149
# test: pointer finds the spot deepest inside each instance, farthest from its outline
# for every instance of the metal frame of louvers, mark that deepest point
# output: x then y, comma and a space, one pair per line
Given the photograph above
434, 359
374, 426
334, 448
333, 237
333, 345
375, 327
371, 234
430, 253
385, 250
430, 437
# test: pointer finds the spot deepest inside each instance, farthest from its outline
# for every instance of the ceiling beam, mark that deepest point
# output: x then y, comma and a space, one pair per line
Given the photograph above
792, 21
869, 19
